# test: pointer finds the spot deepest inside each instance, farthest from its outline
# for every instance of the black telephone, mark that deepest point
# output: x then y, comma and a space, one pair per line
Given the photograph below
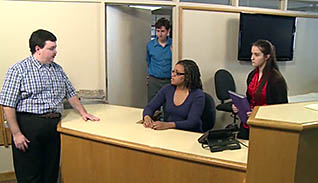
215, 134
219, 140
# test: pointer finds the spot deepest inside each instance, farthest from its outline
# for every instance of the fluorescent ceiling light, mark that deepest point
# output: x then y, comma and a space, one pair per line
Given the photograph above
152, 8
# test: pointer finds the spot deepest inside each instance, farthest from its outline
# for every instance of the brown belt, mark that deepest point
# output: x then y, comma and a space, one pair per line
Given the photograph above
50, 115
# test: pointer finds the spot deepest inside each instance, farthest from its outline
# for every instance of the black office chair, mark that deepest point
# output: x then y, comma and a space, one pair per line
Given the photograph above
223, 83
208, 115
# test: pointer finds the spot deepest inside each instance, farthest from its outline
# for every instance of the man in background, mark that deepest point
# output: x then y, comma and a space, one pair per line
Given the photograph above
32, 99
159, 58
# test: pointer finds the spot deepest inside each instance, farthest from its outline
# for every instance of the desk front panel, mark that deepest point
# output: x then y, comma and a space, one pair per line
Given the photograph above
85, 160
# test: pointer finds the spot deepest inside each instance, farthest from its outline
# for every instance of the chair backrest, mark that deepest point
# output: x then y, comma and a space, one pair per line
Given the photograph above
223, 82
208, 115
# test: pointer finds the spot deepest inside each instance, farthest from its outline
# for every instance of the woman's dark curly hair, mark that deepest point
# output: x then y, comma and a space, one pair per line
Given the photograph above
192, 76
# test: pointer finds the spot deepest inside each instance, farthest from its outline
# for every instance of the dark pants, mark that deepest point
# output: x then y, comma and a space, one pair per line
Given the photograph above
154, 85
40, 163
244, 133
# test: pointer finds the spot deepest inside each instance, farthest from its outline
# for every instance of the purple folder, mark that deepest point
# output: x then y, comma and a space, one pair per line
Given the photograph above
241, 102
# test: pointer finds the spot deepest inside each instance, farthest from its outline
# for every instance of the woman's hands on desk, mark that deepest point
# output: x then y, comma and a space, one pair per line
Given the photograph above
147, 121
157, 125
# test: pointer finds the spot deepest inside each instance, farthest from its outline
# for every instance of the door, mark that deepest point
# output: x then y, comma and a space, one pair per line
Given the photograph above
127, 33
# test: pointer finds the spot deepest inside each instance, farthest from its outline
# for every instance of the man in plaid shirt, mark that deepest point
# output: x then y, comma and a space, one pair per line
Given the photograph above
32, 99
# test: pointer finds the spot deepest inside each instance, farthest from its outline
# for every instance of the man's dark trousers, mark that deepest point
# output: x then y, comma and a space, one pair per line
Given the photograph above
40, 162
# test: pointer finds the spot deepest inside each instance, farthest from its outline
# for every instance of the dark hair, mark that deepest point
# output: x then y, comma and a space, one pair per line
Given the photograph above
271, 67
163, 22
39, 37
192, 76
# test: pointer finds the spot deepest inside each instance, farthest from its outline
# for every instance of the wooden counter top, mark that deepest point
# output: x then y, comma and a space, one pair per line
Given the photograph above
118, 126
292, 116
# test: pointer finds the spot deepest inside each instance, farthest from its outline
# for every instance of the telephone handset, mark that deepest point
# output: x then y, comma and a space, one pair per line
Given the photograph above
204, 138
215, 134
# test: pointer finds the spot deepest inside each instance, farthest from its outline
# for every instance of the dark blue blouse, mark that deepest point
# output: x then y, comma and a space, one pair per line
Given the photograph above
186, 116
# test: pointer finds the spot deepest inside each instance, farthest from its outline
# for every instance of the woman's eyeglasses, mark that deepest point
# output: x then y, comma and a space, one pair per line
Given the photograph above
177, 73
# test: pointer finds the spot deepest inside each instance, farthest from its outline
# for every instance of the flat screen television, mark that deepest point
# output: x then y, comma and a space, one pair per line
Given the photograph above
279, 30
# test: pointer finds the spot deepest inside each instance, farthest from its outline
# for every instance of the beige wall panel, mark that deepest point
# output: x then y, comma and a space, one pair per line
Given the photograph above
77, 27
301, 74
210, 38
6, 164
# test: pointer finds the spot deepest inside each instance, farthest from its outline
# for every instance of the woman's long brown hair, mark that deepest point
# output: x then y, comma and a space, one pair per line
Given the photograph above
271, 67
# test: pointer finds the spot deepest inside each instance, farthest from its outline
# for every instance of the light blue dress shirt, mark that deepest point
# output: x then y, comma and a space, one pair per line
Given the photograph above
159, 59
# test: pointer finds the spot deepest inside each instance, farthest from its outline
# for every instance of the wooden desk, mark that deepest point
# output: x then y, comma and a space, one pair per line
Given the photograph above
283, 145
116, 149
5, 135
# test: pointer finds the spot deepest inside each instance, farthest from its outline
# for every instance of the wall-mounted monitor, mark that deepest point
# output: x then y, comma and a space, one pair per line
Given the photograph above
280, 30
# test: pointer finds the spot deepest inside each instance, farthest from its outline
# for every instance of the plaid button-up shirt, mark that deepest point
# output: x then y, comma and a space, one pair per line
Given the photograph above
36, 88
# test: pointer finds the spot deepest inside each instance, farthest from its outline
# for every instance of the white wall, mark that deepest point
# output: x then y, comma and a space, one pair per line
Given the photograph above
211, 39
78, 30
301, 74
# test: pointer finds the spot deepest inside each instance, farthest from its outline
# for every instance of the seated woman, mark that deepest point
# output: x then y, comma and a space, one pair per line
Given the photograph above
265, 84
183, 100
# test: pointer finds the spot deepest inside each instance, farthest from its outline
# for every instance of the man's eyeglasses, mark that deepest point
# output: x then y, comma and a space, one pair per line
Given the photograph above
177, 73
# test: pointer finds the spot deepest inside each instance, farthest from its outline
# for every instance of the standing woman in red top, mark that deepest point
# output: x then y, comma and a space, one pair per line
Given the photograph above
265, 84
